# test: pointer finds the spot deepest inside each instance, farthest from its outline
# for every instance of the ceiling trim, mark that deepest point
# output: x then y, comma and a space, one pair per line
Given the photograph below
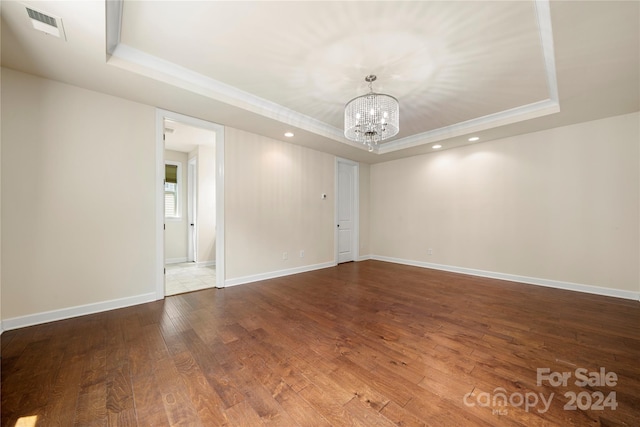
502, 118
113, 17
135, 60
131, 59
543, 10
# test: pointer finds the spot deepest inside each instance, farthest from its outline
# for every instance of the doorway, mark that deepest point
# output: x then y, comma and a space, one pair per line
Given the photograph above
190, 209
347, 211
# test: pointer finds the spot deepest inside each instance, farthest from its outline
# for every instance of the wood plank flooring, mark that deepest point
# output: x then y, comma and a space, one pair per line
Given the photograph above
364, 344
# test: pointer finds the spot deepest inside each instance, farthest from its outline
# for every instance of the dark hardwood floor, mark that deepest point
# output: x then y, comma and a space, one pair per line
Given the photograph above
367, 344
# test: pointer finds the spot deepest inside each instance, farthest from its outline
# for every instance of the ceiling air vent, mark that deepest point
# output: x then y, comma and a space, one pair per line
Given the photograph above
49, 24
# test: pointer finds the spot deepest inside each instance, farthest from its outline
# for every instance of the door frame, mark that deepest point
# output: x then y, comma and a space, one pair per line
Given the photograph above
161, 115
356, 208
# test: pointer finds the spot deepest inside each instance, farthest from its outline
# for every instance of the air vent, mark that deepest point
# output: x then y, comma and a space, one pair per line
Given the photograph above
46, 23
45, 19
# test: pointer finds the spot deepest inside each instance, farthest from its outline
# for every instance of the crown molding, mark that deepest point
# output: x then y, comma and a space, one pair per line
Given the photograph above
502, 118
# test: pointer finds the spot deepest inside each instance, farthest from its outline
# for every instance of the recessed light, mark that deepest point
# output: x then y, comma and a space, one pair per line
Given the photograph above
288, 134
435, 147
474, 139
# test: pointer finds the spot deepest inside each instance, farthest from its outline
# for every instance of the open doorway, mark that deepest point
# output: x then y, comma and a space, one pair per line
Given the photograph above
190, 251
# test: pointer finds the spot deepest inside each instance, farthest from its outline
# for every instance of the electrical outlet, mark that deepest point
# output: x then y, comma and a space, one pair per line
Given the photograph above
285, 256
301, 254
429, 251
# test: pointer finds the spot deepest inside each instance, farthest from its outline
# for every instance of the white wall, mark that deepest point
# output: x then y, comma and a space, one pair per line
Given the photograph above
273, 205
78, 197
175, 235
561, 204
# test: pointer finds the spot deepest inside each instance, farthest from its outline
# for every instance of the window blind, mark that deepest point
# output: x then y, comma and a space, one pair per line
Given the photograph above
171, 173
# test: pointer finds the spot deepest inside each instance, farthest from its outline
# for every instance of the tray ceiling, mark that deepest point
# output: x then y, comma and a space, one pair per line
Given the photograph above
454, 66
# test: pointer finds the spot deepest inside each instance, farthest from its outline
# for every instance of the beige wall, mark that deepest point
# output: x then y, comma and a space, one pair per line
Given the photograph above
273, 205
364, 171
78, 196
175, 234
206, 204
79, 223
78, 185
1, 328
561, 204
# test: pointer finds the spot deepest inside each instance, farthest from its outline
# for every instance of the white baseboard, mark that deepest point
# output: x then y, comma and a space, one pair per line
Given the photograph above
279, 273
67, 313
175, 260
609, 292
205, 263
81, 310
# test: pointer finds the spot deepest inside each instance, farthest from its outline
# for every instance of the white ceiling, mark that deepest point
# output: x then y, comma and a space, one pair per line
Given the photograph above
491, 69
186, 138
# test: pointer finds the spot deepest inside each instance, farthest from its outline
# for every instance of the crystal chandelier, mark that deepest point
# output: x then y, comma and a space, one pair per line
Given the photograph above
371, 118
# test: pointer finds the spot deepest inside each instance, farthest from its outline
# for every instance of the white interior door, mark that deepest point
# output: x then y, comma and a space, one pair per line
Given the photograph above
347, 211
192, 210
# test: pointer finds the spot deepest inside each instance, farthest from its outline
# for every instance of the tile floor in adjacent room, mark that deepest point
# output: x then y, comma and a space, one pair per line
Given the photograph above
187, 277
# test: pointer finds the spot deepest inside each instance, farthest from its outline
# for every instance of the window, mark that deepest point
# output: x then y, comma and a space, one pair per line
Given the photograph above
172, 185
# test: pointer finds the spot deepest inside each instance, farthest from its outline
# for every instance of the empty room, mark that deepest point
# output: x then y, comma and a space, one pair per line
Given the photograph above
323, 213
